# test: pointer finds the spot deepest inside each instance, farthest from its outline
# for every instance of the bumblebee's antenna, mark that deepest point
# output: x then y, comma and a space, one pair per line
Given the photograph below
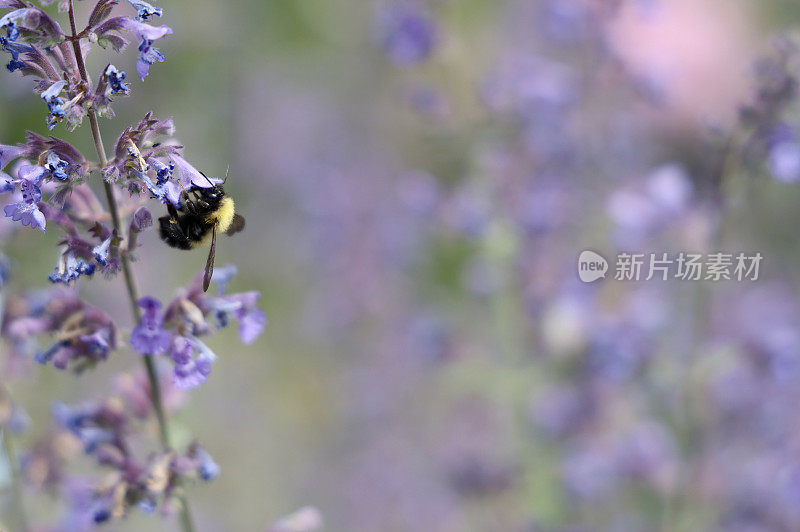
207, 179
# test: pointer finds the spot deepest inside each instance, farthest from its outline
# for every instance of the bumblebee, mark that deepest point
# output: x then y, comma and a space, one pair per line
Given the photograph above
203, 213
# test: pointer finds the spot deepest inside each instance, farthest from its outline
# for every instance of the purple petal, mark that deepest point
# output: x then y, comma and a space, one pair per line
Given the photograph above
9, 153
145, 31
173, 193
32, 174
142, 68
189, 175
187, 376
148, 341
53, 90
152, 312
27, 214
251, 325
182, 351
30, 192
6, 182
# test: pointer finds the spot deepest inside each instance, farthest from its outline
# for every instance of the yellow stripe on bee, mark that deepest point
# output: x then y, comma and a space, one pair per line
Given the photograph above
223, 216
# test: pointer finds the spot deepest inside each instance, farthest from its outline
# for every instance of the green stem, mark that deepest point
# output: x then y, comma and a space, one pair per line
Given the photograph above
130, 283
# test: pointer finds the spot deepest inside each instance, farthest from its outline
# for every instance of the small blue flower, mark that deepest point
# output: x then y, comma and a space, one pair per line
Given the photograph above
252, 319
163, 171
54, 103
116, 80
56, 165
9, 22
14, 48
147, 57
147, 35
70, 268
98, 343
207, 468
94, 437
158, 191
12, 31
43, 357
71, 418
149, 338
101, 515
145, 10
100, 251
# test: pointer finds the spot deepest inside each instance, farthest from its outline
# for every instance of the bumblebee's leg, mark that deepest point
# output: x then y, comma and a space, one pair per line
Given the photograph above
199, 205
172, 234
173, 212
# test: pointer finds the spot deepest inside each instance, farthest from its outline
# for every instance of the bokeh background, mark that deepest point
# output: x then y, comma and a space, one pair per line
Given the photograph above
417, 191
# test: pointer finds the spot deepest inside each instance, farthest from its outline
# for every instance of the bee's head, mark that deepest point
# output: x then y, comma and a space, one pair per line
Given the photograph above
212, 193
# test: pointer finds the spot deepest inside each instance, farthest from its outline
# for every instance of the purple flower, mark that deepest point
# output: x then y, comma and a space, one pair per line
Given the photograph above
142, 219
147, 34
243, 307
27, 210
149, 338
145, 10
408, 35
193, 361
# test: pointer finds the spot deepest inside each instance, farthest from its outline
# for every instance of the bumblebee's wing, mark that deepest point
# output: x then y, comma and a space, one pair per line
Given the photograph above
236, 225
210, 262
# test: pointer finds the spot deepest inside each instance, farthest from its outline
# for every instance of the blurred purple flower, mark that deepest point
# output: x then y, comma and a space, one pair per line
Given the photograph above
193, 361
150, 338
408, 34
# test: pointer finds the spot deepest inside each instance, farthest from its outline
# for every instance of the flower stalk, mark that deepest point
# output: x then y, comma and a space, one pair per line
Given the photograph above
130, 283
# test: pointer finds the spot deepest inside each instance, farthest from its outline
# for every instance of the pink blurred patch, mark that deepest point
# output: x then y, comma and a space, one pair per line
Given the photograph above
696, 54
